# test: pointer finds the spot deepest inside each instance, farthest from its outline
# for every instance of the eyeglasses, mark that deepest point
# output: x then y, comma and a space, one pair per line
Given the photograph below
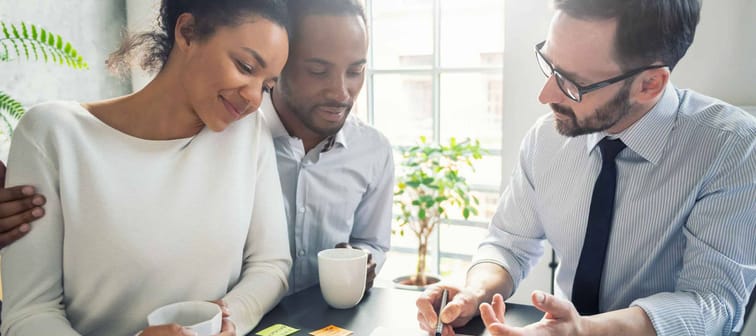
572, 89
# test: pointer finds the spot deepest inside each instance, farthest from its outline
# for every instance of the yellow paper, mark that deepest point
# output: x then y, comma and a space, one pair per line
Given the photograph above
331, 330
277, 330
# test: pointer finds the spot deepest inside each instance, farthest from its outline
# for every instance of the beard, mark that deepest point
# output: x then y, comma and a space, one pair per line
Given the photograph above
602, 119
307, 112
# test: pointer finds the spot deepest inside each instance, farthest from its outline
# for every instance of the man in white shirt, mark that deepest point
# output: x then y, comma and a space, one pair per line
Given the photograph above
336, 172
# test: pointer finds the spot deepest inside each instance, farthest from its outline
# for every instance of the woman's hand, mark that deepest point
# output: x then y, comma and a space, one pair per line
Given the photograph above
228, 328
167, 330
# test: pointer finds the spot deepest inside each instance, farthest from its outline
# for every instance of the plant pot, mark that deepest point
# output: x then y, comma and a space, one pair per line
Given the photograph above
403, 282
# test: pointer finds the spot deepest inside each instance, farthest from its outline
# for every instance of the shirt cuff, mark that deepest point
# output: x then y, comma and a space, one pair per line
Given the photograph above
673, 313
494, 255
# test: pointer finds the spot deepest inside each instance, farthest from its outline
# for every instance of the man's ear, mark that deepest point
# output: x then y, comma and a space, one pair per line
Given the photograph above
184, 30
651, 84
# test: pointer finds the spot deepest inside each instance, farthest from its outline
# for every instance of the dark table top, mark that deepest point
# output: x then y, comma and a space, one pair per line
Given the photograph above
380, 307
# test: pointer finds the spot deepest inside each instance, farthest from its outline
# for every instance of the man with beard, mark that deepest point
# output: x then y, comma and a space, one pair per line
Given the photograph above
644, 190
336, 172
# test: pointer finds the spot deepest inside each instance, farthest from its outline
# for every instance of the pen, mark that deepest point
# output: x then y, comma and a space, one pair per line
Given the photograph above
439, 325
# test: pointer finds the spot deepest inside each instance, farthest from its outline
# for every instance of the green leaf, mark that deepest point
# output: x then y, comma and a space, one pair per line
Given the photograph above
26, 48
430, 174
14, 43
5, 30
10, 107
15, 32
4, 52
32, 41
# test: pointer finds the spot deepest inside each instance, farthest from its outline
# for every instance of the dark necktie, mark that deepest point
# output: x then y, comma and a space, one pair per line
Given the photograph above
586, 288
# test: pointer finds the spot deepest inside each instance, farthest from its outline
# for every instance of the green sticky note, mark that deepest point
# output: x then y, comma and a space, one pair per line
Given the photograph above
277, 330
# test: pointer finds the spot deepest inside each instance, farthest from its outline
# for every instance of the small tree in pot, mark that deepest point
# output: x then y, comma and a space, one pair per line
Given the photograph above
428, 184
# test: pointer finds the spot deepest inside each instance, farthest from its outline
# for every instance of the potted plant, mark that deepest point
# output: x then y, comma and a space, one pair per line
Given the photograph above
30, 42
428, 185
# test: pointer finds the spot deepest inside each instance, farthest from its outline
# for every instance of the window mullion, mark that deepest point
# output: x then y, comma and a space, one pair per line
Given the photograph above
436, 107
369, 80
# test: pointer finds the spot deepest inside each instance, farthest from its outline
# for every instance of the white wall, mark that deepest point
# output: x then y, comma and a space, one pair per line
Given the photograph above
525, 24
93, 28
722, 60
720, 63
141, 16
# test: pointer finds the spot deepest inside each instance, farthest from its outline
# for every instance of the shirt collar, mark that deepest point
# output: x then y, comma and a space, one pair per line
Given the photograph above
647, 136
278, 130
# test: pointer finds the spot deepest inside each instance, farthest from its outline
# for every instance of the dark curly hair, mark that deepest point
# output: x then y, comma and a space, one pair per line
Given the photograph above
299, 9
156, 46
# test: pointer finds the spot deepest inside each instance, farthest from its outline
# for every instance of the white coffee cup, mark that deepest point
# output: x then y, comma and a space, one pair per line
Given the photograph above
202, 317
342, 273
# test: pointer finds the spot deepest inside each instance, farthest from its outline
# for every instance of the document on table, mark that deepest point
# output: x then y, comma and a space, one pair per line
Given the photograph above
387, 331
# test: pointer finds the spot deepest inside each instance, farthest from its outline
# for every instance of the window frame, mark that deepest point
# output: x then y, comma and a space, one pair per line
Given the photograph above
436, 70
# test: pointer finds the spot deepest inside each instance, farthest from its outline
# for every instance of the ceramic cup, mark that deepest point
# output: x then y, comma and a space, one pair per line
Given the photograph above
342, 273
202, 317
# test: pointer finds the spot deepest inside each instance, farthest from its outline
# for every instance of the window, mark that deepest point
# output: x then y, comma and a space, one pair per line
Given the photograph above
435, 69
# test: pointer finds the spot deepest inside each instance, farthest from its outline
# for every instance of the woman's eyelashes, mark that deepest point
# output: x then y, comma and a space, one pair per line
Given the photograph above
245, 68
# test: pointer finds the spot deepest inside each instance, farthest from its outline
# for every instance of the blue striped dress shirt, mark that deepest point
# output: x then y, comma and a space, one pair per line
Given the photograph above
682, 245
332, 196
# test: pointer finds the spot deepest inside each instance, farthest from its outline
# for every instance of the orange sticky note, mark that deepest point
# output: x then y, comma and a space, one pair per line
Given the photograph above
331, 330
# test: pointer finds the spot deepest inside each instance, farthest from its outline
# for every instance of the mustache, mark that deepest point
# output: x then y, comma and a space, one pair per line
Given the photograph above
558, 109
335, 104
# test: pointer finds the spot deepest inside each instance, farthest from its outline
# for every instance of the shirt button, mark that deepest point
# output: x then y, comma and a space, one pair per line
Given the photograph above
301, 253
301, 209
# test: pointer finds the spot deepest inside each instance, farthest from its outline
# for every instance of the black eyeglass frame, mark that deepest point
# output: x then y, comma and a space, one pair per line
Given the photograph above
588, 88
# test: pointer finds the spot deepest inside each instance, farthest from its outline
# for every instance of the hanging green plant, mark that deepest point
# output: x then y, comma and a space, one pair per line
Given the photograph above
29, 42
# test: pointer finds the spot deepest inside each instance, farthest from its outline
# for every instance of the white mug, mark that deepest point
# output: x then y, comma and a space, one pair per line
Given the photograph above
202, 317
342, 273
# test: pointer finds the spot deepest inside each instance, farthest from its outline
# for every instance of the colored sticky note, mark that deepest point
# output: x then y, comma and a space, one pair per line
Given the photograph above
331, 330
277, 330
